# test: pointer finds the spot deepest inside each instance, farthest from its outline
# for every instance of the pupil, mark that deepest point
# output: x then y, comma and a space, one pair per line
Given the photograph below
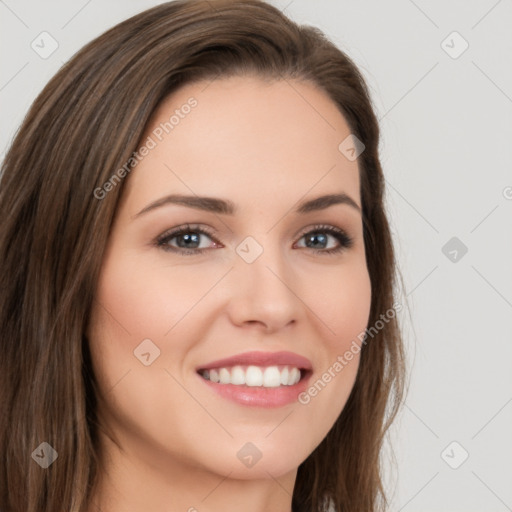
316, 237
194, 239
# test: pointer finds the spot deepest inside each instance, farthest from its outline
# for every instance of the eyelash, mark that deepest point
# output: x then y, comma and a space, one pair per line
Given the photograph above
162, 241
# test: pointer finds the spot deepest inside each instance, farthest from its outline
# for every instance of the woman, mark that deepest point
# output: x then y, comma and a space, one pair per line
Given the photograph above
197, 274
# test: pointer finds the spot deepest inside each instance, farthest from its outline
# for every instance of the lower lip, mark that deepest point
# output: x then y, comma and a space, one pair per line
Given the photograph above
259, 396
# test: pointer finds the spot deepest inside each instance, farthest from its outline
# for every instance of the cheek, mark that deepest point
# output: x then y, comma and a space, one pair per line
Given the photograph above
135, 303
148, 300
138, 301
341, 301
344, 308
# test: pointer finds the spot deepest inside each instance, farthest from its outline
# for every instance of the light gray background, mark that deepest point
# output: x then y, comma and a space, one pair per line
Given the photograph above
447, 154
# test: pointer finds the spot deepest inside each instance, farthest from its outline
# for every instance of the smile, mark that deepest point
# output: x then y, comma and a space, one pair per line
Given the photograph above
258, 379
254, 376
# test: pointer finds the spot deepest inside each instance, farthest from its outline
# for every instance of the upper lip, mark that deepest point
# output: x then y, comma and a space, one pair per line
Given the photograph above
261, 359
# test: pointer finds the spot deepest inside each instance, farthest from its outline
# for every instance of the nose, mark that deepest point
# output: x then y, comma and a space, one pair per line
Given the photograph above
262, 294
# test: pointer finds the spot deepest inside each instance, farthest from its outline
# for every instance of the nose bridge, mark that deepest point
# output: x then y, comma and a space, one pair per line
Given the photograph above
260, 260
263, 291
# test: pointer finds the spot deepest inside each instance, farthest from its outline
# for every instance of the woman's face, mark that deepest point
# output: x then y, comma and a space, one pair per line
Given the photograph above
256, 268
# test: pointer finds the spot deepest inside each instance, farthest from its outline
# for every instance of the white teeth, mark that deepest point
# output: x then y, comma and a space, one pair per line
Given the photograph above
224, 376
254, 376
271, 377
294, 375
237, 376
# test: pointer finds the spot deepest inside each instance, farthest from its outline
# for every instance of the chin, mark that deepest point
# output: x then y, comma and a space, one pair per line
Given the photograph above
260, 459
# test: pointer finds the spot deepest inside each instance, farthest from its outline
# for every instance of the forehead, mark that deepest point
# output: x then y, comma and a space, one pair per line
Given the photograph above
245, 138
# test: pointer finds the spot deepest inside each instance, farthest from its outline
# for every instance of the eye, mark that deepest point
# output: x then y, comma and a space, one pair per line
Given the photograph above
191, 240
186, 240
320, 239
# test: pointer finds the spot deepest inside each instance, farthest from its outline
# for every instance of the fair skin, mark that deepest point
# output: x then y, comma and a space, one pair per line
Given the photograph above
265, 147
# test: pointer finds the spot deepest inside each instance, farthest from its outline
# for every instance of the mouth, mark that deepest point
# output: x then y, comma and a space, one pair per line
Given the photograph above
262, 379
255, 376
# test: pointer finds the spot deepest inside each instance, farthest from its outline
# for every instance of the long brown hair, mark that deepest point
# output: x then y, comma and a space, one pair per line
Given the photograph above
81, 129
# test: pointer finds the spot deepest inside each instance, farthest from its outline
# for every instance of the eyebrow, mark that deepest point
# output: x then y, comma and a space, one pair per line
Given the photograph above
226, 207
